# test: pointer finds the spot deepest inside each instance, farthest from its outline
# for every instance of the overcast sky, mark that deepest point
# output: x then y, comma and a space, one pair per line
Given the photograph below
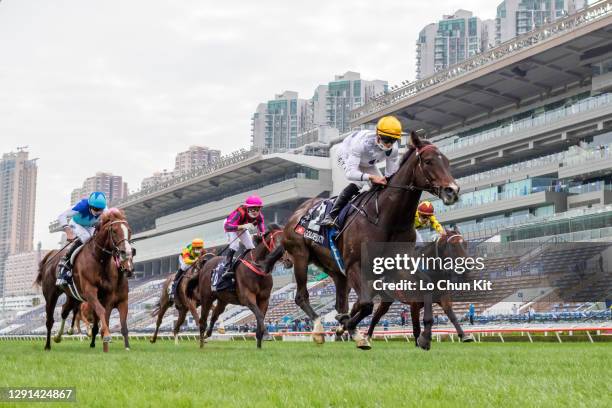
122, 86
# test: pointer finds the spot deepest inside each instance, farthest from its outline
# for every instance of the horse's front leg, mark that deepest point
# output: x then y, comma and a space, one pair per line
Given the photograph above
424, 340
91, 294
123, 312
447, 306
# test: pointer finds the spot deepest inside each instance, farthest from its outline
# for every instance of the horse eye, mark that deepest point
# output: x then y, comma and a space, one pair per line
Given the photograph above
428, 162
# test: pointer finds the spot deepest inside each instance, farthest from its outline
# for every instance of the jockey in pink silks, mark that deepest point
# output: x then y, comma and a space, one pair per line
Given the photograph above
244, 220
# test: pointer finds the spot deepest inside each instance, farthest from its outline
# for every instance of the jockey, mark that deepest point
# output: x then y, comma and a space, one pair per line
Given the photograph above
358, 155
425, 218
84, 217
238, 227
189, 255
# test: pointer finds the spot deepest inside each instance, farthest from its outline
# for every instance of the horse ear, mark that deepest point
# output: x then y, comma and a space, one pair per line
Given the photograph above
415, 140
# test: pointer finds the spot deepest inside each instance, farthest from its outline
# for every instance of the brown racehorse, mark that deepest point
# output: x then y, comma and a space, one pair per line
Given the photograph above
84, 313
385, 215
100, 273
253, 286
452, 245
182, 302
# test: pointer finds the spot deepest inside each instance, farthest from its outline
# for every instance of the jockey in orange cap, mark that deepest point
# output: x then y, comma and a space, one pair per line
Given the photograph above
425, 218
189, 255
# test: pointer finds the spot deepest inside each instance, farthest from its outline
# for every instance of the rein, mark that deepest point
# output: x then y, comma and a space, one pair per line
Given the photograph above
269, 246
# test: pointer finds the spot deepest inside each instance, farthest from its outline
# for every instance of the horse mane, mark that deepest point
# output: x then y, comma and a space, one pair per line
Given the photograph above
112, 214
410, 150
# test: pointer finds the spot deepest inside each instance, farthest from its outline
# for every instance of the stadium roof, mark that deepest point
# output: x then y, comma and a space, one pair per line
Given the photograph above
235, 172
535, 65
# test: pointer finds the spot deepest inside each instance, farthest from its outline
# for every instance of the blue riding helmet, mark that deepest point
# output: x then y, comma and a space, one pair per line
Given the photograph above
97, 199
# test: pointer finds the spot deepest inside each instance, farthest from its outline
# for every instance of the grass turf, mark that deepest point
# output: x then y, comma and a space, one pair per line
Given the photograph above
303, 374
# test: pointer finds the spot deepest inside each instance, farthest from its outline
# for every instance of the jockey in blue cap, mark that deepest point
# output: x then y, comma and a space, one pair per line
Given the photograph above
83, 219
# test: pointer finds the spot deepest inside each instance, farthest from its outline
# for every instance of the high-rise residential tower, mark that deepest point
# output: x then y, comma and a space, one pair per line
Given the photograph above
451, 40
347, 92
113, 186
194, 157
17, 205
516, 17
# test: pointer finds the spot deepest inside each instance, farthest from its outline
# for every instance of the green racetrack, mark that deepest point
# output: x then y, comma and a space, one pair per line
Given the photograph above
293, 374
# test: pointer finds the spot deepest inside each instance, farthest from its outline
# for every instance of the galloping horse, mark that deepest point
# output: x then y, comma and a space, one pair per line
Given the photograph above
423, 168
182, 302
452, 245
253, 285
100, 273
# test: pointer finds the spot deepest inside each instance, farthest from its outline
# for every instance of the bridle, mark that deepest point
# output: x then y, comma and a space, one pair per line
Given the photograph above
115, 252
270, 245
431, 187
272, 242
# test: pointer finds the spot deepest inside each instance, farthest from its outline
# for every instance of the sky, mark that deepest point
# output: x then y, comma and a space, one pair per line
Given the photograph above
122, 86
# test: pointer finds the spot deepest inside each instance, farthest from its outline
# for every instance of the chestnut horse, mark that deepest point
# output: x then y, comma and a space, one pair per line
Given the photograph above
452, 245
83, 313
182, 302
384, 215
253, 285
100, 274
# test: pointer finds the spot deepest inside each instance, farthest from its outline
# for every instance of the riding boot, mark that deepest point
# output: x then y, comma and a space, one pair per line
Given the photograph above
175, 282
342, 200
229, 260
65, 266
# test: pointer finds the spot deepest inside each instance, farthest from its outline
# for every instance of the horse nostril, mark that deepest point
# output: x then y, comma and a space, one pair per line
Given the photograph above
450, 191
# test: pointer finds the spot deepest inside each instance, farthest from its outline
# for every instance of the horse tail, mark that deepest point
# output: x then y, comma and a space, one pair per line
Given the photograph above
272, 258
155, 311
41, 269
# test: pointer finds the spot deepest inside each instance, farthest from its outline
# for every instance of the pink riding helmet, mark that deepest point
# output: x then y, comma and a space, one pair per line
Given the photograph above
253, 201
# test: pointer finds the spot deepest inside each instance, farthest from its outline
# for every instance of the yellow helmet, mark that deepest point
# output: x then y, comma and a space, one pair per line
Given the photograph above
389, 126
197, 243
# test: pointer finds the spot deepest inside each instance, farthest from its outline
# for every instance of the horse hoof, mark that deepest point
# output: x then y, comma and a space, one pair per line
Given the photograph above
152, 341
364, 344
127, 349
57, 339
423, 343
318, 338
468, 338
70, 332
89, 333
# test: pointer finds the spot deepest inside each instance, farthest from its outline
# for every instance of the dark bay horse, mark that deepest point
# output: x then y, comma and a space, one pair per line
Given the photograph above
253, 285
386, 215
100, 273
182, 302
452, 245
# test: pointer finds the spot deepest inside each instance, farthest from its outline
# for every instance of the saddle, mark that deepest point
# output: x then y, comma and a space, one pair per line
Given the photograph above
220, 282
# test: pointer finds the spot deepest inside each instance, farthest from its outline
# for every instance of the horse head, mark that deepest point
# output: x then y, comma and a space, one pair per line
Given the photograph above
432, 172
452, 244
116, 234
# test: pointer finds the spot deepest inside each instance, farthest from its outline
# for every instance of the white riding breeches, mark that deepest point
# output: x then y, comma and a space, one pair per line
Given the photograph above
236, 237
83, 233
